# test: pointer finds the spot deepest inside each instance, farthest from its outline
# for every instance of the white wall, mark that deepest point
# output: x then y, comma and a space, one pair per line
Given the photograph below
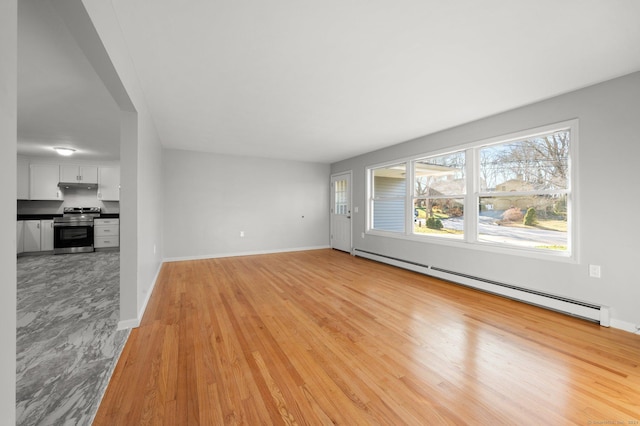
8, 193
210, 199
150, 212
608, 205
95, 27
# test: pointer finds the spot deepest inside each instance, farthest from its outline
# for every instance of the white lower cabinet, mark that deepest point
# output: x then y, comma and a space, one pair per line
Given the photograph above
31, 236
20, 237
37, 235
34, 235
46, 235
106, 233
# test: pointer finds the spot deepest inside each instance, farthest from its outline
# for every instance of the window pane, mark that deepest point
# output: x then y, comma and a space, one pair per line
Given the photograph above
539, 163
390, 181
442, 217
389, 198
340, 196
538, 221
388, 215
441, 175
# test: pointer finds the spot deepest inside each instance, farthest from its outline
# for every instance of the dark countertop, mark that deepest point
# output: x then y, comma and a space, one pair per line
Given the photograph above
52, 215
37, 216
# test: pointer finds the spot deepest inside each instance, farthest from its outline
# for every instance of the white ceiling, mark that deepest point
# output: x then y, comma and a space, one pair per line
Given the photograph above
327, 80
61, 100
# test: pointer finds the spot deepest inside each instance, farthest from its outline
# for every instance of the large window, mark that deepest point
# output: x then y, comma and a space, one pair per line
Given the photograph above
512, 192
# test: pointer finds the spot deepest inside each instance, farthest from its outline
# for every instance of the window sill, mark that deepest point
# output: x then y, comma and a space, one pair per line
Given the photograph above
555, 256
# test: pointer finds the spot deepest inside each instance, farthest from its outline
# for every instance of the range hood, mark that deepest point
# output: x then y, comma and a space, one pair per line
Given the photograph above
77, 185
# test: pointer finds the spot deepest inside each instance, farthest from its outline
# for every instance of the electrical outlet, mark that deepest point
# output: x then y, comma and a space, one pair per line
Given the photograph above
595, 271
362, 235
241, 234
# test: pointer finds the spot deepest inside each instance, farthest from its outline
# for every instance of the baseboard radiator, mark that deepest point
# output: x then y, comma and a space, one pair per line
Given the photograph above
588, 311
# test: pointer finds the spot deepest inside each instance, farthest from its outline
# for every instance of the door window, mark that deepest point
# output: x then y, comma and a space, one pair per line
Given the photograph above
340, 197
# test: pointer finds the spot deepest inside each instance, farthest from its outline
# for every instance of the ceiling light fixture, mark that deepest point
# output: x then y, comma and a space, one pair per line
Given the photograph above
64, 151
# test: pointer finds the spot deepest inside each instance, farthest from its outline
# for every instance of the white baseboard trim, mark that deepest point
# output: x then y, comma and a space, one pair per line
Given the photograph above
244, 253
625, 326
143, 308
127, 324
135, 322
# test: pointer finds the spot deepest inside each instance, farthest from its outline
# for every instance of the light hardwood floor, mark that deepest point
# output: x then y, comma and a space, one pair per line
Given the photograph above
321, 337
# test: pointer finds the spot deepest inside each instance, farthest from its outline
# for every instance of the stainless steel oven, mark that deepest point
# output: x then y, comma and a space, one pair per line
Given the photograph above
73, 233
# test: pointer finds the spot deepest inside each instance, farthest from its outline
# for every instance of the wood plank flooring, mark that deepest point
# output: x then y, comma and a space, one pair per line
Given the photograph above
321, 337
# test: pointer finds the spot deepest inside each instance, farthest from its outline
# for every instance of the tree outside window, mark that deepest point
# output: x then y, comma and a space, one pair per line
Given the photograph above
438, 196
524, 188
518, 193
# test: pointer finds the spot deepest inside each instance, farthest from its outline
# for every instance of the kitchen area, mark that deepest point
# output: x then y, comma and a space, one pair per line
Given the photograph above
68, 265
67, 208
67, 225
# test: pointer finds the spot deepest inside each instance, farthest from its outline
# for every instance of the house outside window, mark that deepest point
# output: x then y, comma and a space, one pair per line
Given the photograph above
388, 197
523, 194
439, 187
511, 193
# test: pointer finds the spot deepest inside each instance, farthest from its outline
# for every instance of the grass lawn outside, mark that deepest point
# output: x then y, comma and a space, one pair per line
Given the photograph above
549, 225
424, 230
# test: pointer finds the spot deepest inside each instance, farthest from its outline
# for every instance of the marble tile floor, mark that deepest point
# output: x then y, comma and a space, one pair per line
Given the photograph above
67, 342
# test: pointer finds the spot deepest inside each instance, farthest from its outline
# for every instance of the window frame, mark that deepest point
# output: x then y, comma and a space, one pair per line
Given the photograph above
472, 196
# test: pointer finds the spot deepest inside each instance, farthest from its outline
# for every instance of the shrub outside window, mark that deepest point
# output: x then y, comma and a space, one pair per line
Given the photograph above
513, 192
524, 188
439, 187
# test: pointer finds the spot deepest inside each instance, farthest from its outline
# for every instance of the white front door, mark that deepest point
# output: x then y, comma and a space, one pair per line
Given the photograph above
341, 212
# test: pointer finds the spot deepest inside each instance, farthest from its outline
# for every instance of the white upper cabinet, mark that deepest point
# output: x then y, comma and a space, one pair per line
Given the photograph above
23, 178
43, 182
70, 173
109, 183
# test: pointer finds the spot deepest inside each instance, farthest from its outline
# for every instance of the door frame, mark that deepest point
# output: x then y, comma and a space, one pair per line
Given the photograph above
332, 205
